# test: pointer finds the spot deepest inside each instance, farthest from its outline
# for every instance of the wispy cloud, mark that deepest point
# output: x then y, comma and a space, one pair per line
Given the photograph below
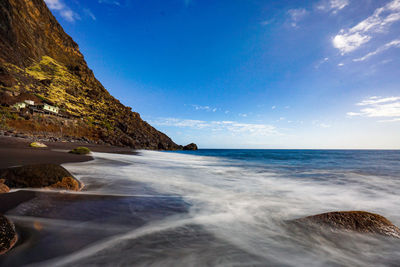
383, 107
332, 5
394, 43
296, 15
89, 13
206, 108
321, 124
62, 9
111, 2
229, 126
348, 40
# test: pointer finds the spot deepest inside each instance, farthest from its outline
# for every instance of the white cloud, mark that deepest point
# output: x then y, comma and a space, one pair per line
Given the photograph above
273, 107
230, 126
340, 64
394, 43
332, 5
376, 106
206, 108
348, 40
296, 15
54, 4
63, 9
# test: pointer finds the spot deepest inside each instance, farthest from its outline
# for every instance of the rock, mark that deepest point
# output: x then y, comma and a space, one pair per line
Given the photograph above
37, 144
38, 176
3, 188
81, 150
357, 221
8, 236
68, 183
191, 146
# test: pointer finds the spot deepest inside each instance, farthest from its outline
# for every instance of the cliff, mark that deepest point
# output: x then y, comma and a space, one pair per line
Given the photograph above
40, 61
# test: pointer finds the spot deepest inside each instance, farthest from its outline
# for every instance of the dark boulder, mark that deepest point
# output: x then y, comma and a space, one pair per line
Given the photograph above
8, 236
191, 146
37, 176
357, 221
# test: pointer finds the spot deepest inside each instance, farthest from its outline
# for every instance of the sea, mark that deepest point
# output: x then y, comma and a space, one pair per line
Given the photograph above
211, 207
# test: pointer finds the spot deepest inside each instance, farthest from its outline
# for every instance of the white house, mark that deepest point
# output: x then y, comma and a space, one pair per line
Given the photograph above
47, 107
30, 102
19, 105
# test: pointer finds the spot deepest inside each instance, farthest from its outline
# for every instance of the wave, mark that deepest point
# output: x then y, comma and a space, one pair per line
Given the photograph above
236, 212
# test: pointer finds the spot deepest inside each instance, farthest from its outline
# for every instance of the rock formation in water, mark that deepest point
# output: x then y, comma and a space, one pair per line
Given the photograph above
357, 221
41, 63
8, 236
191, 146
40, 176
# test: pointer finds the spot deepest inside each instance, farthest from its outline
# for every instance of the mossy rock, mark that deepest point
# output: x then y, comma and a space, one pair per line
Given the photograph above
67, 183
38, 176
3, 188
356, 221
37, 145
81, 150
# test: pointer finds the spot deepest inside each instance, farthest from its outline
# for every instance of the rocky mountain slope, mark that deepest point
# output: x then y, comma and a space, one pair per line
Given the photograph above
39, 60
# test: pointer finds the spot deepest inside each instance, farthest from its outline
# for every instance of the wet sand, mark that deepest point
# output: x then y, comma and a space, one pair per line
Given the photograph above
15, 151
43, 218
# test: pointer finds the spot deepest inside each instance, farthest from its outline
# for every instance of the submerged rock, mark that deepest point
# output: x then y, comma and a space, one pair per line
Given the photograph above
81, 150
357, 221
8, 236
191, 146
39, 176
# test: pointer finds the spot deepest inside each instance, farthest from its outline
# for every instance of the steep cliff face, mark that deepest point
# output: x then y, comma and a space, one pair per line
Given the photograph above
37, 57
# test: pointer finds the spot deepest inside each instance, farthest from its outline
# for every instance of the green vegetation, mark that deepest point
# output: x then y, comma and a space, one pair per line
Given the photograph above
45, 100
5, 113
81, 150
107, 124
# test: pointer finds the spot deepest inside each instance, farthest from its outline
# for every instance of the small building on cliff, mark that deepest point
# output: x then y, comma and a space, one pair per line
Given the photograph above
19, 105
50, 108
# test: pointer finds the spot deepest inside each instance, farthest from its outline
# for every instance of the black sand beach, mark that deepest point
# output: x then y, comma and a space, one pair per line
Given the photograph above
16, 152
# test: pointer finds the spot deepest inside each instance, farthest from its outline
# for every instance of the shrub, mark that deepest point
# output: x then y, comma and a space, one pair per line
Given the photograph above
81, 150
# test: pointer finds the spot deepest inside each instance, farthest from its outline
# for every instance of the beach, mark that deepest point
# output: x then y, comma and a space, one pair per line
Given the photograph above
209, 208
15, 151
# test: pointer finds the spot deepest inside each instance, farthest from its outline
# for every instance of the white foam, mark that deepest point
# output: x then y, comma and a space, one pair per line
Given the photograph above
245, 205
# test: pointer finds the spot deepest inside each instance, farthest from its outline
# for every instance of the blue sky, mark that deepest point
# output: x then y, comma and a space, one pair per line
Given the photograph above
249, 74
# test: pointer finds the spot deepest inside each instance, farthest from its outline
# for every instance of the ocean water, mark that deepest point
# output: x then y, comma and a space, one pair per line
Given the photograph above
212, 208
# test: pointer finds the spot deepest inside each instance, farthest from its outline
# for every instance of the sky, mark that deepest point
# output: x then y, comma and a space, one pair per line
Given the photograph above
249, 74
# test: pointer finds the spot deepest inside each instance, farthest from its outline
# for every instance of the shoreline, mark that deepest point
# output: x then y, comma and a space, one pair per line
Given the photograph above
15, 151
